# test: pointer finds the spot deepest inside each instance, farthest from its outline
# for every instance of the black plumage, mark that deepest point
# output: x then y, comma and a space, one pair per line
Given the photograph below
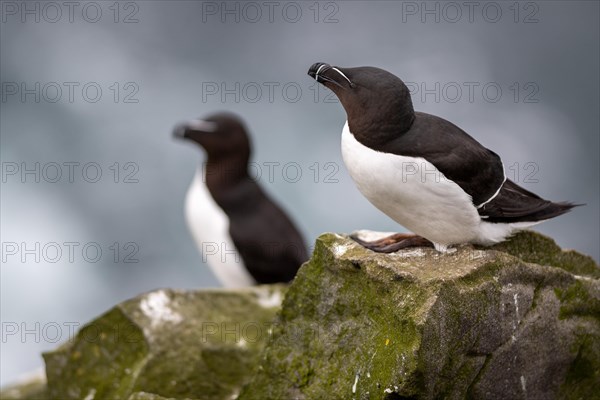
264, 236
381, 117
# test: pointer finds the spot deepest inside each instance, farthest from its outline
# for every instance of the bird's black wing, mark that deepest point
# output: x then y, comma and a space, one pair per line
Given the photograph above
462, 159
476, 169
264, 236
515, 204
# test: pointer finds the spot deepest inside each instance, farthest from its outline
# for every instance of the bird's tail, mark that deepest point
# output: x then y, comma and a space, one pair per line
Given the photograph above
550, 210
516, 204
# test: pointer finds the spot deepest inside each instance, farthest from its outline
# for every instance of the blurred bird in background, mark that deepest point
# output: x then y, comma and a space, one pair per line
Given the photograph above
245, 237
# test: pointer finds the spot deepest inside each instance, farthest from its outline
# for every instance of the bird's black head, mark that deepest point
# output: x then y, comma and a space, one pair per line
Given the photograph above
221, 135
372, 97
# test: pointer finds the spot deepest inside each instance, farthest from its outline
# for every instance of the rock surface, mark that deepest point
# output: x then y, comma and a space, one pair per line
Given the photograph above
176, 344
481, 324
518, 321
31, 387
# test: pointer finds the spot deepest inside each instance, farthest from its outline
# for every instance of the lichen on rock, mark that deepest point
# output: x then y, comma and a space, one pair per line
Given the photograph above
174, 344
519, 320
535, 248
30, 387
478, 323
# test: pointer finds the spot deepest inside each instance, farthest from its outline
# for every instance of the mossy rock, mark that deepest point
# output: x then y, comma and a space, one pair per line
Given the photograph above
518, 320
167, 344
30, 388
536, 248
149, 396
417, 324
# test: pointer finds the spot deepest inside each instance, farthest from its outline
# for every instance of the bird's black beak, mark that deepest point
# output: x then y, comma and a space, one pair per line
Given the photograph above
317, 71
180, 131
183, 130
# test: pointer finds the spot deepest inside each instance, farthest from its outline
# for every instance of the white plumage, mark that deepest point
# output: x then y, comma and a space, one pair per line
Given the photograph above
210, 228
412, 192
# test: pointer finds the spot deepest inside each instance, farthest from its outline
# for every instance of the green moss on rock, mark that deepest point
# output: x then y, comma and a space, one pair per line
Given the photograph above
536, 248
174, 344
477, 323
150, 396
583, 375
518, 320
31, 388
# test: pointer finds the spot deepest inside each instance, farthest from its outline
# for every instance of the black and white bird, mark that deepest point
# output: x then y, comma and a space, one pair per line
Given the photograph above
243, 235
424, 172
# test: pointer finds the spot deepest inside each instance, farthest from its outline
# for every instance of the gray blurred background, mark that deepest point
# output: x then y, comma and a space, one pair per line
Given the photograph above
522, 79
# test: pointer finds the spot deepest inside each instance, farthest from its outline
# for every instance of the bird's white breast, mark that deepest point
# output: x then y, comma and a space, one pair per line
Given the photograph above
210, 228
412, 192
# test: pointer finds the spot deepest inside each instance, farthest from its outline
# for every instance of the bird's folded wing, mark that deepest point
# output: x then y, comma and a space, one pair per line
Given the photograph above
459, 157
515, 204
